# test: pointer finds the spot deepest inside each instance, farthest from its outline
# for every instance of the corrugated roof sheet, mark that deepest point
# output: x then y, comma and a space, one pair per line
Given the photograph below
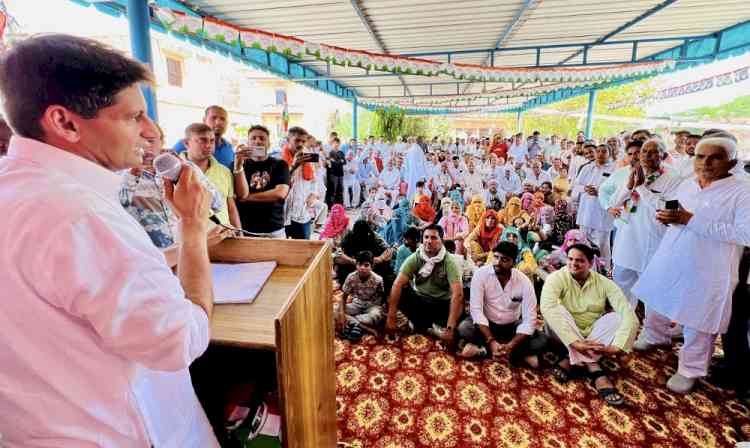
427, 26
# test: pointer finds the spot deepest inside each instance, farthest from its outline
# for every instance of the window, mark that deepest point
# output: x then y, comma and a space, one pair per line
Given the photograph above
174, 71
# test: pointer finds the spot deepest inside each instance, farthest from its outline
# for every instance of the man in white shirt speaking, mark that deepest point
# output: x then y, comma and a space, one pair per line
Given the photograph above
96, 333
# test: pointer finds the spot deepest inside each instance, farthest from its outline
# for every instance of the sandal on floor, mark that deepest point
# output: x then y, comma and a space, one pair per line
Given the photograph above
561, 374
608, 394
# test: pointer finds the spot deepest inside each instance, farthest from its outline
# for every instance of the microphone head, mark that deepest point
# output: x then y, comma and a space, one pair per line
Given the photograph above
167, 165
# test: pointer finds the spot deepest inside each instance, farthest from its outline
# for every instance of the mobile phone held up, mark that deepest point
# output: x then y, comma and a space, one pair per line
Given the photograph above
313, 157
672, 205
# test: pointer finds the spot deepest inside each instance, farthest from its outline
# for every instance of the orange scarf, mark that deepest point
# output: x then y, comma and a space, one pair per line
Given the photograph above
308, 170
423, 211
488, 238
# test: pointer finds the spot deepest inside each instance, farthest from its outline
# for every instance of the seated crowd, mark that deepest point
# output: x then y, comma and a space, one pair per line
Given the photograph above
510, 247
502, 248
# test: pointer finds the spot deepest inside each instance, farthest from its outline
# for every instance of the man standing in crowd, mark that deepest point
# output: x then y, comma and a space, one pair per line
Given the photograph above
104, 303
428, 289
261, 184
639, 233
216, 118
574, 303
335, 168
199, 139
593, 219
692, 275
303, 185
351, 186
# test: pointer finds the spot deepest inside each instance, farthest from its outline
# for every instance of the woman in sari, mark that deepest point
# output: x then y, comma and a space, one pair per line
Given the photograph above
484, 238
400, 221
512, 211
525, 262
561, 185
458, 198
423, 212
455, 227
475, 210
335, 225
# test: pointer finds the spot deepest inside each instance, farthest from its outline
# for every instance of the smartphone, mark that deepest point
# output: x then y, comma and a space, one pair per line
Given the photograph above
672, 205
312, 157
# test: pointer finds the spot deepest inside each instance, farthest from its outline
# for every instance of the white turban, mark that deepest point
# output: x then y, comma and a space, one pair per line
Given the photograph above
729, 145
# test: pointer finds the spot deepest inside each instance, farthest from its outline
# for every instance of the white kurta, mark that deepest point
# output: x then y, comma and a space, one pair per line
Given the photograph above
519, 152
639, 233
609, 187
390, 178
509, 181
590, 213
473, 183
416, 168
537, 180
693, 274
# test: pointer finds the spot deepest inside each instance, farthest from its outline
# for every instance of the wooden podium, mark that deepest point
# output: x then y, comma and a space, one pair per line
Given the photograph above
291, 316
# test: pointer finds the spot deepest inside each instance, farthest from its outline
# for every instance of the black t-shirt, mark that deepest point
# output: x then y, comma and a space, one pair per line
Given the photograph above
338, 160
263, 217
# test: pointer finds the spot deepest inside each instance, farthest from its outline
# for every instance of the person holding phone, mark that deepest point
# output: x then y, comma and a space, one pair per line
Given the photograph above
693, 274
647, 186
304, 185
261, 185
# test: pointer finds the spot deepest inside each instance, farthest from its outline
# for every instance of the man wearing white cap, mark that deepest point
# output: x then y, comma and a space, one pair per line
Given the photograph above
693, 273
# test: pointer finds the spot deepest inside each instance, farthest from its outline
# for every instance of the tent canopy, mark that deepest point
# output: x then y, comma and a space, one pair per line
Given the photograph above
459, 56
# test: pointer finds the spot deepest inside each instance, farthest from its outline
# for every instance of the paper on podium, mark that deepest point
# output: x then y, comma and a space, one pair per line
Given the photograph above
240, 283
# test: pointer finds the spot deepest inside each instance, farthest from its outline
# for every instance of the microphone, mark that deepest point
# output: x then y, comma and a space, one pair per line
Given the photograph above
168, 166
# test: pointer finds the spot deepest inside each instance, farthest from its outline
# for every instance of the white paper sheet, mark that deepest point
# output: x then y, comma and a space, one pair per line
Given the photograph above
240, 283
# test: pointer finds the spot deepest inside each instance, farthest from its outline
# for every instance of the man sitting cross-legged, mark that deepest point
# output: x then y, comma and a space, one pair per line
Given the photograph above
366, 290
574, 302
503, 311
428, 289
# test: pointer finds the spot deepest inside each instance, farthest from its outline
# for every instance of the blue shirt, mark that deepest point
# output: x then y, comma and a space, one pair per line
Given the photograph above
364, 171
224, 152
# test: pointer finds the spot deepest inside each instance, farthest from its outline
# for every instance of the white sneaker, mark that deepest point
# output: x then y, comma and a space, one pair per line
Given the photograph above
642, 345
680, 384
471, 350
436, 331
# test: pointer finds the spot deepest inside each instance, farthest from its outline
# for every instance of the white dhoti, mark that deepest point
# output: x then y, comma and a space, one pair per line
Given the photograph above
625, 279
697, 348
603, 331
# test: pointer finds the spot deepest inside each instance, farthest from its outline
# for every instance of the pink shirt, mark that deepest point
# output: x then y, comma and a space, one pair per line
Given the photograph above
95, 331
490, 302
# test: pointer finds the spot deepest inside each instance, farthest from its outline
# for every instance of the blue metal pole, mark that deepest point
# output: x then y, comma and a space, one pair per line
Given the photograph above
140, 42
354, 117
590, 113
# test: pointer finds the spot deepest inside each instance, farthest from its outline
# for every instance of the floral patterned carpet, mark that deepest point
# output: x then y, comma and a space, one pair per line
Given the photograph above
405, 391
